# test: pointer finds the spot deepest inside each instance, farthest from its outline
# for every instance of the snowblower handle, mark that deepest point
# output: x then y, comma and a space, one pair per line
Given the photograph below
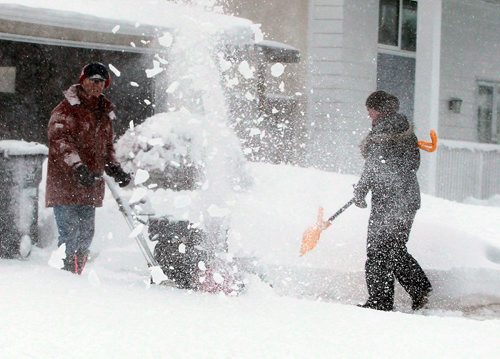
129, 218
339, 212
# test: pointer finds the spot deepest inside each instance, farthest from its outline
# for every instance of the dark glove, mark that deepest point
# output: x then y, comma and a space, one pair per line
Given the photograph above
84, 176
359, 199
360, 202
120, 176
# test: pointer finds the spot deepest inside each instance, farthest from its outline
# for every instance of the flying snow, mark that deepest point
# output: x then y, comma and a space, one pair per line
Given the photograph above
141, 176
218, 278
258, 35
182, 248
157, 275
202, 266
114, 70
166, 40
223, 63
249, 96
155, 70
245, 69
277, 69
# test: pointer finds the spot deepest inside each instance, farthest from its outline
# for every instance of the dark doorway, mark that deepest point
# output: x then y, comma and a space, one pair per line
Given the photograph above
42, 72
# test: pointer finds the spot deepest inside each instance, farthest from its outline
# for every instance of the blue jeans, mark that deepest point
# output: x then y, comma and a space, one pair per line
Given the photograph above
76, 226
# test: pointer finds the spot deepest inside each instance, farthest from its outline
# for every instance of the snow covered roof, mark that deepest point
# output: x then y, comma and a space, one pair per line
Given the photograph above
21, 148
70, 19
146, 18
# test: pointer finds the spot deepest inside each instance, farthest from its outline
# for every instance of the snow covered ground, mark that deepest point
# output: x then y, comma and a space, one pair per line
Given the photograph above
112, 311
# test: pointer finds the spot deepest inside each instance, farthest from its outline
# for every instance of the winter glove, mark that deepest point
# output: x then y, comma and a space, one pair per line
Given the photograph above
121, 177
359, 199
360, 202
84, 176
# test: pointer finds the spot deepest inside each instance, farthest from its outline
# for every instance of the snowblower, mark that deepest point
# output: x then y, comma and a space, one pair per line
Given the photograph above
178, 259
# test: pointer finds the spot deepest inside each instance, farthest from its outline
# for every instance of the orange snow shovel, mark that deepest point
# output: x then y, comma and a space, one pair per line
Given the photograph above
310, 238
429, 146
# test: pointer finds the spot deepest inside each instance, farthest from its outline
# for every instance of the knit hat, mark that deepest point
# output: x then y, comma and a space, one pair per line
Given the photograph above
96, 71
383, 102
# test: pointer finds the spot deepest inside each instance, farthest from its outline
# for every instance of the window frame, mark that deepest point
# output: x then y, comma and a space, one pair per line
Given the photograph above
495, 113
391, 49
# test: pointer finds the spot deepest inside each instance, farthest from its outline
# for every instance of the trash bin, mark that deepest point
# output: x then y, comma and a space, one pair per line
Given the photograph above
20, 175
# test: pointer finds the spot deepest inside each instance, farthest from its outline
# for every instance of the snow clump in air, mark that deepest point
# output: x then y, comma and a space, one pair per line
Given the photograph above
245, 69
277, 69
166, 40
115, 70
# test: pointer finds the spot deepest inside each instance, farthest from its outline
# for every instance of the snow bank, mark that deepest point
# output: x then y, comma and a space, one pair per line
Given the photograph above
20, 148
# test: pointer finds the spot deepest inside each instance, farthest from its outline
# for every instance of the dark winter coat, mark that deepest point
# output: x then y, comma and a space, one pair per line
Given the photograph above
392, 159
79, 130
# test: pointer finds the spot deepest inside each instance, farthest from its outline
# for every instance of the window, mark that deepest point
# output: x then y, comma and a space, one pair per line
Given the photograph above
488, 112
8, 79
397, 24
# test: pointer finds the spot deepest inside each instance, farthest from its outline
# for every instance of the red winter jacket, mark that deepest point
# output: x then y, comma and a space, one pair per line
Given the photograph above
79, 130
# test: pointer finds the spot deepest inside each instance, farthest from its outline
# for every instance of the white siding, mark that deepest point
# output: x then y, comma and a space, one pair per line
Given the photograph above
470, 46
343, 52
467, 170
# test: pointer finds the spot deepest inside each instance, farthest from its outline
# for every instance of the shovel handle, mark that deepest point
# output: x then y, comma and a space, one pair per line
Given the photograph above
339, 212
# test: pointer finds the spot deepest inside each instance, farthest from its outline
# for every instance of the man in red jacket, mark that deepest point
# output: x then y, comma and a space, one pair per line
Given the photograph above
80, 149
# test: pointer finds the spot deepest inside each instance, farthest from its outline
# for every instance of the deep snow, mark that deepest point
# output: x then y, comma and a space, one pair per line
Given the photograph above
112, 311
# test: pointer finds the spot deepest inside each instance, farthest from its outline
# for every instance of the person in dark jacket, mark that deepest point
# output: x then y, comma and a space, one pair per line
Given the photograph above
81, 148
392, 159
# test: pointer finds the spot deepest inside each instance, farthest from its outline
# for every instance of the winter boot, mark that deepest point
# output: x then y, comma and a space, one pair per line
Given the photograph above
69, 263
81, 260
377, 306
421, 300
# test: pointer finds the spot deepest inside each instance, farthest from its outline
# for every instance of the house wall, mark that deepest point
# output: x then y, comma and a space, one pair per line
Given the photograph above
470, 46
343, 53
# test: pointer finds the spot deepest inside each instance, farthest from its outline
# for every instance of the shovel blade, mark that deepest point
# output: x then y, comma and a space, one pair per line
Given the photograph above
310, 239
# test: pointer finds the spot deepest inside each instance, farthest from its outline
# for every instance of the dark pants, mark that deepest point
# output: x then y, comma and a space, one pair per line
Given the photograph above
76, 227
388, 258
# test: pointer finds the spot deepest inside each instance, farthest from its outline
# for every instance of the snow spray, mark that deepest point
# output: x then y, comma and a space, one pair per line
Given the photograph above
195, 86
